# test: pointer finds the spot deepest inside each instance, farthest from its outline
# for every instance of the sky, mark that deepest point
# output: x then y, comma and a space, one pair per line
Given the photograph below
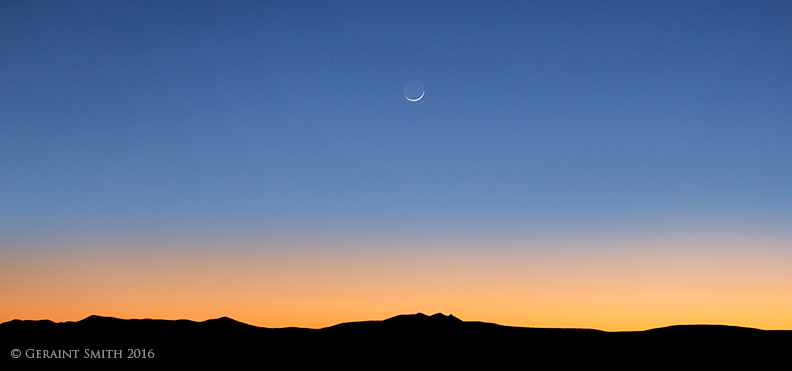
617, 165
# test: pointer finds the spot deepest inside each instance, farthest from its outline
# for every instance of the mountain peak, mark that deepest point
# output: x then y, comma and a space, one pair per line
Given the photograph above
422, 318
97, 318
448, 317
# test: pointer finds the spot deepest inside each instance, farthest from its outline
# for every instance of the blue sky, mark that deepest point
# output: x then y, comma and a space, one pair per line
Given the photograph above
187, 117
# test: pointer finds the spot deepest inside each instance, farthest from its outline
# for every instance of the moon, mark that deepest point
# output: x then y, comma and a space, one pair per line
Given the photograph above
414, 90
416, 99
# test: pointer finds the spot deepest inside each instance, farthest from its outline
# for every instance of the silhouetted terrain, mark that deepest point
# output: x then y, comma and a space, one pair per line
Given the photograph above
416, 341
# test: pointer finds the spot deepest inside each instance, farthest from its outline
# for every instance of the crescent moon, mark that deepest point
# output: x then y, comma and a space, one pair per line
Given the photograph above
416, 99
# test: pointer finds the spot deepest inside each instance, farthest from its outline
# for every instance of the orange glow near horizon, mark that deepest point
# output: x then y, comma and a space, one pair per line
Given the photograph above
606, 284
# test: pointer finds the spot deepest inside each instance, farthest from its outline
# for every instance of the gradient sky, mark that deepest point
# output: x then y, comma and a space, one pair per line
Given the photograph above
608, 164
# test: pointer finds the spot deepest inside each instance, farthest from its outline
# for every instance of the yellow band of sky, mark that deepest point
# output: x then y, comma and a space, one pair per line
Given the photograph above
606, 283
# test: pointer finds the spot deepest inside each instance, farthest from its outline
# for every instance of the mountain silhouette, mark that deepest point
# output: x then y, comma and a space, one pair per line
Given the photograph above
411, 340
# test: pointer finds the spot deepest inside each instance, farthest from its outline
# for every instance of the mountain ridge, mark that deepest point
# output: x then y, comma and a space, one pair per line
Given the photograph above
441, 339
401, 318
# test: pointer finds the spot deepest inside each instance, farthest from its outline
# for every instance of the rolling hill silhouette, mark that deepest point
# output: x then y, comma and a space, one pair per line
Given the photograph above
414, 340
